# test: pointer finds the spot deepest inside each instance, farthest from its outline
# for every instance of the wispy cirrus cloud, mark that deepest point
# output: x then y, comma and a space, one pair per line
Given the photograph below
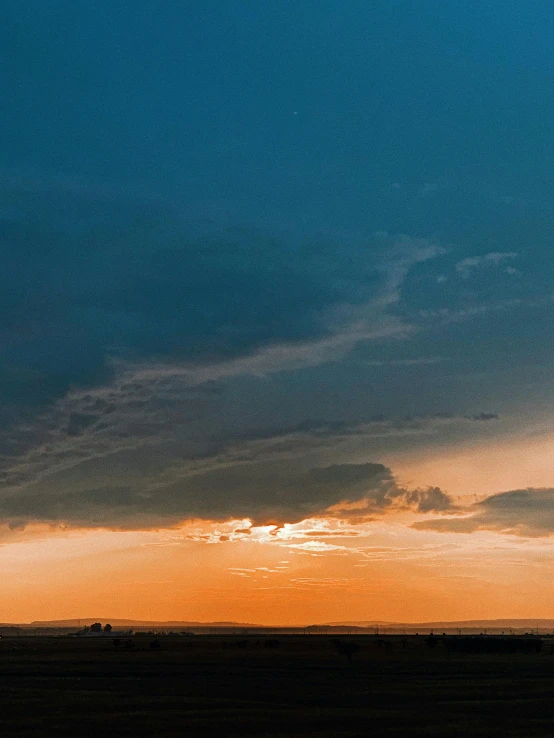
129, 433
136, 428
153, 292
465, 267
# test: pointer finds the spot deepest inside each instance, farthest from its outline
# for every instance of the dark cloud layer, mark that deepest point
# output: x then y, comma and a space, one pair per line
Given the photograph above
144, 349
121, 325
86, 280
121, 322
135, 466
156, 451
269, 492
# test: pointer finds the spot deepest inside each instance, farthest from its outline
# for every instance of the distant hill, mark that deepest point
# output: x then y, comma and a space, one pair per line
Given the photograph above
435, 624
118, 622
498, 624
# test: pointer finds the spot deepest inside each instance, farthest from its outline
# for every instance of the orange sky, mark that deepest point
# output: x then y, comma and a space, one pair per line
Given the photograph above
390, 573
482, 468
318, 571
308, 275
313, 572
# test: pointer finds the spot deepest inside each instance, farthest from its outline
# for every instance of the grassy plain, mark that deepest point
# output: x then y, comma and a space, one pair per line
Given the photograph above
211, 685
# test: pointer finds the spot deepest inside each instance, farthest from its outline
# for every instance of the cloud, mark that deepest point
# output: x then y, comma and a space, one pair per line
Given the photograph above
394, 497
448, 315
430, 499
465, 267
315, 547
116, 308
122, 325
264, 492
522, 512
137, 459
118, 471
262, 489
91, 284
419, 361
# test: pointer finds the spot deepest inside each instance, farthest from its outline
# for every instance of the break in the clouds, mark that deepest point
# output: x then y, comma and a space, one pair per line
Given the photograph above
522, 512
213, 303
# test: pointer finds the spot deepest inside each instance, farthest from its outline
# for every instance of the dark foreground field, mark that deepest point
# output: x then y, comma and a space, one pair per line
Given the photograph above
299, 687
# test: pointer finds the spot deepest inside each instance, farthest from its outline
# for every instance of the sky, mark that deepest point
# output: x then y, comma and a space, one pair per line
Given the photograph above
276, 310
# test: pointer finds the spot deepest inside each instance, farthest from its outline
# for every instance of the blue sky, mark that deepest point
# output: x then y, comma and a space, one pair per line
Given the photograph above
306, 235
197, 101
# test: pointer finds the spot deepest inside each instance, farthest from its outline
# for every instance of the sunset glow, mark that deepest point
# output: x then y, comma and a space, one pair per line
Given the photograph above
276, 314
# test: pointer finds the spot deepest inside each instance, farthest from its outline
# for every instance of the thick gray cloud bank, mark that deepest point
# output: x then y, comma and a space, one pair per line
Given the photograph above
155, 369
140, 455
113, 280
157, 362
522, 512
266, 493
123, 332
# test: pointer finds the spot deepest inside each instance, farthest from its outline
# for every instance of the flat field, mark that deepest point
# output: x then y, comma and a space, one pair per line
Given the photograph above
244, 686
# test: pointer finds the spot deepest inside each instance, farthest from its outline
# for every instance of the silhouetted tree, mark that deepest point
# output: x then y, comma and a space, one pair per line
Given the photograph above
96, 628
107, 628
431, 641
